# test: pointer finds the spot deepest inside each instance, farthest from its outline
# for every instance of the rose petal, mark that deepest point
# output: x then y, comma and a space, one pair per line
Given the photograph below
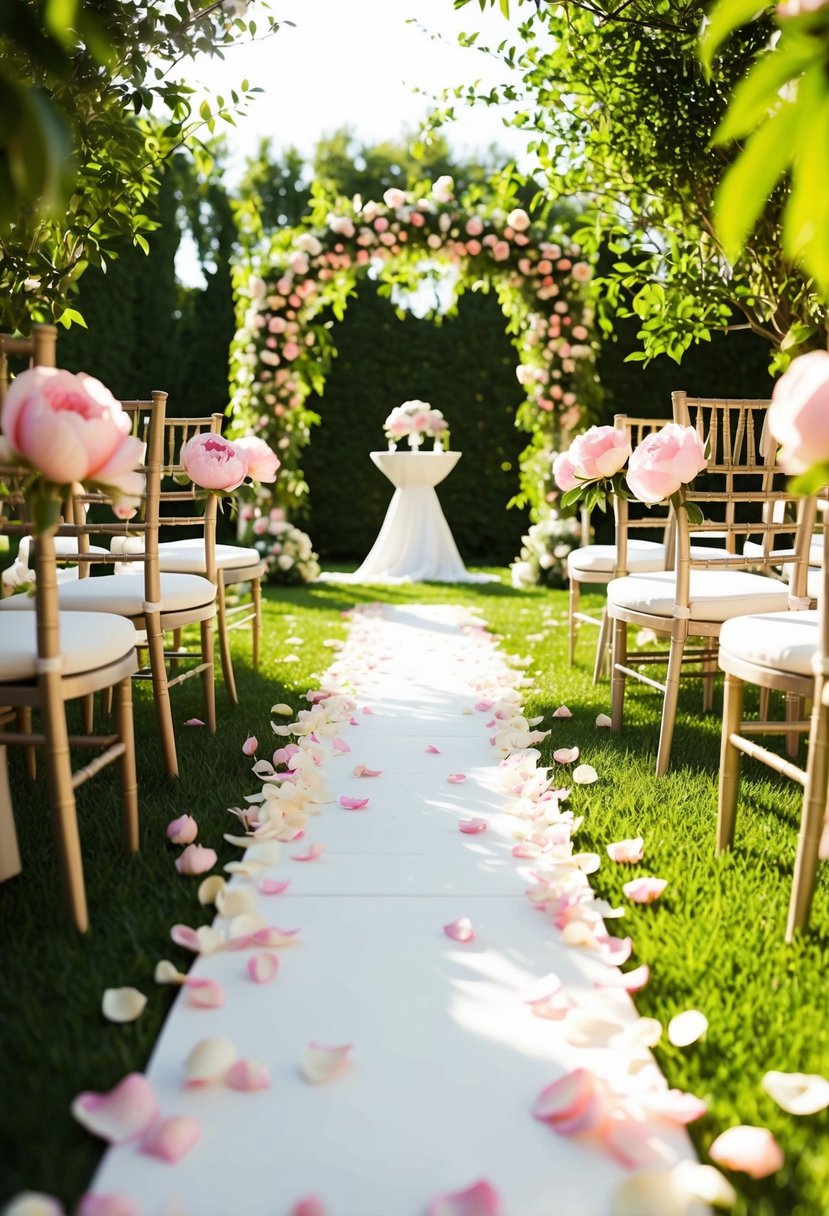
687, 1027
166, 973
362, 771
797, 1093
456, 778
681, 1191
644, 890
235, 901
123, 1004
284, 710
460, 930
248, 1076
209, 1061
315, 851
585, 774
673, 1104
615, 951
311, 1205
172, 1138
321, 1064
479, 1199
271, 938
574, 1103
196, 859
562, 712
340, 745
250, 745
204, 993
751, 1150
604, 720
100, 1205
352, 804
270, 886
631, 981
432, 750
194, 722
183, 830
264, 853
209, 889
472, 826
120, 1115
262, 967
627, 851
35, 1203
566, 755
588, 1030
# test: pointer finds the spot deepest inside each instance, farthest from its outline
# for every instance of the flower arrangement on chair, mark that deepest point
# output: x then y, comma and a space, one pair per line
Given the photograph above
413, 420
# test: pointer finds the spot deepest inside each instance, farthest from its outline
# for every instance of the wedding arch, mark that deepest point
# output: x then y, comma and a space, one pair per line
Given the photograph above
291, 286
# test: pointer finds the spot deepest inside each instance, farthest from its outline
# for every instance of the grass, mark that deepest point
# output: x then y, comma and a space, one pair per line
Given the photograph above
714, 941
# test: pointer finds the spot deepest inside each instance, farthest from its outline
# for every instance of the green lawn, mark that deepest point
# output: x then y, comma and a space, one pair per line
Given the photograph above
714, 941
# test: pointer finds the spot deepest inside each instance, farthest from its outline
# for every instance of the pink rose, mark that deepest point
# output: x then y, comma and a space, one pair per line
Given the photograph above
474, 226
437, 423
563, 472
262, 460
600, 452
71, 428
799, 412
664, 461
500, 251
214, 463
443, 190
394, 198
518, 219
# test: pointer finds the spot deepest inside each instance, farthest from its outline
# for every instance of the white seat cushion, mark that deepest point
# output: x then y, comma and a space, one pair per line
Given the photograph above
187, 556
124, 594
716, 595
644, 556
84, 644
785, 640
65, 546
754, 548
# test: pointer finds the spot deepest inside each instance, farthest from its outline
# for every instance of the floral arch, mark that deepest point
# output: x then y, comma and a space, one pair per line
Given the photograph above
291, 287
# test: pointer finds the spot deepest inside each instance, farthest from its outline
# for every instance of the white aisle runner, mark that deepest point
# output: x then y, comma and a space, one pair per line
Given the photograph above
447, 1057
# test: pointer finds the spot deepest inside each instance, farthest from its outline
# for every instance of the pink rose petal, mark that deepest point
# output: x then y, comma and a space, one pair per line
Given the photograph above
194, 722
631, 981
566, 755
262, 967
311, 1205
456, 778
340, 745
366, 710
432, 750
183, 830
673, 1104
352, 804
751, 1150
575, 1103
472, 826
480, 1199
562, 712
272, 938
184, 936
105, 1205
171, 1139
460, 930
615, 950
362, 771
250, 745
644, 890
311, 854
270, 886
248, 1076
627, 852
120, 1115
196, 859
322, 1064
204, 993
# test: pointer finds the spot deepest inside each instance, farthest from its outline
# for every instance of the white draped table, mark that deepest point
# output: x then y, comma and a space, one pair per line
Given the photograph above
415, 543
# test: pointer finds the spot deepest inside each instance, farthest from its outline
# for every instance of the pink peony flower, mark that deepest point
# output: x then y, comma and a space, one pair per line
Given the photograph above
664, 461
564, 472
444, 189
600, 452
262, 460
214, 463
394, 198
474, 226
500, 251
799, 411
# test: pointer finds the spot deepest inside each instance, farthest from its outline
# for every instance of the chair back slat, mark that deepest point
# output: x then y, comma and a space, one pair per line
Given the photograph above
40, 350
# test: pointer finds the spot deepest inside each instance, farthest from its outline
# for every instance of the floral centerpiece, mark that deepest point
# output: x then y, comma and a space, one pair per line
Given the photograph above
414, 420
291, 557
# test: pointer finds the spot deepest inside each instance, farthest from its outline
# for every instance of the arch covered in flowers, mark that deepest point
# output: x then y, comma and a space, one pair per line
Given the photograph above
292, 286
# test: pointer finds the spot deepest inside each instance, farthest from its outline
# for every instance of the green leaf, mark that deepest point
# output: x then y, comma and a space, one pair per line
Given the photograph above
759, 91
569, 497
694, 513
725, 17
812, 481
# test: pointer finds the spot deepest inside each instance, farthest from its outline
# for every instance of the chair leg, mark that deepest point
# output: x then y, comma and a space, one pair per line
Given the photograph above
88, 712
730, 759
617, 678
256, 600
711, 668
126, 766
24, 725
177, 636
601, 646
794, 708
106, 702
161, 694
671, 698
64, 814
208, 676
224, 641
812, 817
573, 605
765, 704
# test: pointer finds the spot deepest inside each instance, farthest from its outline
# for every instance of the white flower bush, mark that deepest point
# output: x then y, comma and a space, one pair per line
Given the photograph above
544, 550
290, 554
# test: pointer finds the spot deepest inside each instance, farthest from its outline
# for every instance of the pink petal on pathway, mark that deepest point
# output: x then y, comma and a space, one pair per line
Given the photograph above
432, 750
362, 771
633, 1145
627, 852
194, 722
644, 890
631, 981
183, 830
566, 755
311, 1205
460, 930
483, 706
248, 1076
480, 1199
352, 804
471, 827
204, 993
184, 936
120, 1115
575, 1103
171, 1139
272, 938
322, 1064
456, 778
673, 1104
615, 950
751, 1150
315, 851
366, 710
101, 1205
270, 886
196, 859
262, 967
562, 712
340, 745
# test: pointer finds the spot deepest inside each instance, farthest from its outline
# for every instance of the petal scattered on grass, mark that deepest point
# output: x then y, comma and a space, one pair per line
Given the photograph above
479, 1199
362, 771
271, 886
456, 778
750, 1150
471, 827
97, 1205
585, 774
171, 1139
797, 1093
562, 712
123, 1004
262, 967
183, 830
645, 890
120, 1115
631, 981
194, 722
35, 1203
250, 745
604, 720
283, 710
687, 1027
322, 1064
566, 755
352, 804
460, 930
310, 854
627, 852
166, 973
196, 859
248, 1076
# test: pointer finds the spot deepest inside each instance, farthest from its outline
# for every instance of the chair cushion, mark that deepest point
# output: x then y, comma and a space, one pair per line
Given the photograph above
754, 548
187, 556
784, 640
644, 556
124, 594
716, 595
83, 643
65, 546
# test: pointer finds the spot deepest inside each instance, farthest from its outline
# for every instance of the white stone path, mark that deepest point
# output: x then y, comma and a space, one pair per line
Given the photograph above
448, 1058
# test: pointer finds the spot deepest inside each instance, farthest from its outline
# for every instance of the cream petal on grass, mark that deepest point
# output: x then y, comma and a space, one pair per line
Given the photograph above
320, 1064
797, 1093
585, 774
123, 1004
604, 720
750, 1150
33, 1203
120, 1115
685, 1028
627, 852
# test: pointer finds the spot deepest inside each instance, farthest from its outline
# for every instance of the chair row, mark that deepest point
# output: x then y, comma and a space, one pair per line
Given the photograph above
753, 603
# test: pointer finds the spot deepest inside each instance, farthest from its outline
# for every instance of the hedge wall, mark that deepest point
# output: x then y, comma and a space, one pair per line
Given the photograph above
464, 366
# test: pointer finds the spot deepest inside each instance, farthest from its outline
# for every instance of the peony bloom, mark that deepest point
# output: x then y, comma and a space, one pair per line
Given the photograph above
214, 463
563, 472
263, 462
664, 461
600, 452
518, 219
582, 272
799, 412
444, 189
474, 226
394, 198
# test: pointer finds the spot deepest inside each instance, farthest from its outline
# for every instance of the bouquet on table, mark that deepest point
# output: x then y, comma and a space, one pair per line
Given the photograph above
413, 420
